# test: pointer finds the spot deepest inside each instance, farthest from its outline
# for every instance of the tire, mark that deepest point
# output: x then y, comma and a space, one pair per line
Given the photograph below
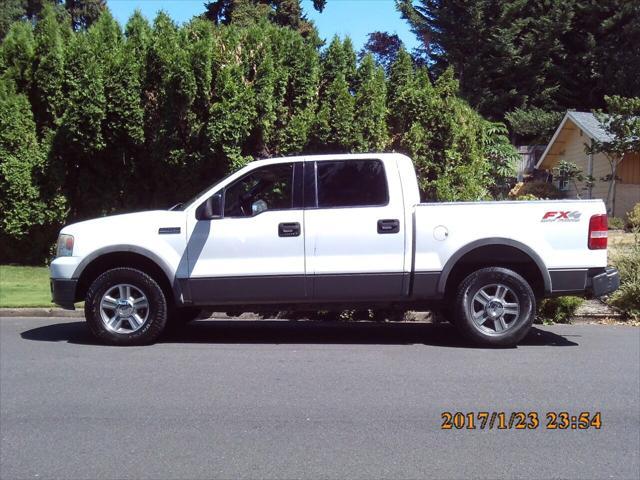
125, 306
502, 303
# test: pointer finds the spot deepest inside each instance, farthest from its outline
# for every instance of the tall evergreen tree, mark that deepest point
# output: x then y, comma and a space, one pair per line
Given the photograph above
233, 110
17, 55
47, 96
383, 46
11, 11
80, 138
370, 122
402, 99
169, 92
338, 59
20, 156
285, 13
516, 56
25, 209
333, 128
438, 131
84, 12
296, 89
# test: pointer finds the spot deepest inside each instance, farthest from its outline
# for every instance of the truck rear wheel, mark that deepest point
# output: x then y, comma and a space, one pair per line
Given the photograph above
125, 306
495, 306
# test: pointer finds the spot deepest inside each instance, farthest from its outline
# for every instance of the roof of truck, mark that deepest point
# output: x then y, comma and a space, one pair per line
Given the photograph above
332, 156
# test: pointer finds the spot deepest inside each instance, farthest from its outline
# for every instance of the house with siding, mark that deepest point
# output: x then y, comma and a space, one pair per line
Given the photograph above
576, 132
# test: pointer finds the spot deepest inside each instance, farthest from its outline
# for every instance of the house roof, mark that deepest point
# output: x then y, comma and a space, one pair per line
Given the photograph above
587, 122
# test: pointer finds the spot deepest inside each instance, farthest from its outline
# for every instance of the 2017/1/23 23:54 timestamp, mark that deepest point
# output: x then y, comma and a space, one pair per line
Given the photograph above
520, 420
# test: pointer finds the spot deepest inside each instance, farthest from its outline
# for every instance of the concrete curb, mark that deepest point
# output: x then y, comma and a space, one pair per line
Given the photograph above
41, 312
79, 313
595, 310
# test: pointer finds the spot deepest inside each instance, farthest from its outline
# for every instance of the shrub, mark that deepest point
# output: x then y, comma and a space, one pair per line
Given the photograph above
540, 190
627, 297
559, 309
633, 218
527, 196
616, 223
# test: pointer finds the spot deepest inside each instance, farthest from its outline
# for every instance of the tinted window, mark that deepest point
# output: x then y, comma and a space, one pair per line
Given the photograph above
351, 183
265, 188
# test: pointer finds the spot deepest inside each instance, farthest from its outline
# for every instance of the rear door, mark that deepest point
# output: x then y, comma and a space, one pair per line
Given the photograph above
354, 229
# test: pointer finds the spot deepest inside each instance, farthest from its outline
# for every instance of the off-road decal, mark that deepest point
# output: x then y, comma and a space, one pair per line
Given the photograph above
561, 216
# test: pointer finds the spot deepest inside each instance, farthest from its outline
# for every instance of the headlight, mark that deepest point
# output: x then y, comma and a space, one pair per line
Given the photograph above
65, 246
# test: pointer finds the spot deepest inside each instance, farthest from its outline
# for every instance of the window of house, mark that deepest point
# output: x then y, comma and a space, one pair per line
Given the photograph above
563, 184
351, 183
265, 188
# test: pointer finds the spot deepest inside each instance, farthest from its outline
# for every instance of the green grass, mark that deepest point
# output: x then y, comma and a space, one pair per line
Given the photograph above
24, 286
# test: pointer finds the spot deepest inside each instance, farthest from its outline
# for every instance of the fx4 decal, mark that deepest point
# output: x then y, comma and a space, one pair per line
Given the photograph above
561, 217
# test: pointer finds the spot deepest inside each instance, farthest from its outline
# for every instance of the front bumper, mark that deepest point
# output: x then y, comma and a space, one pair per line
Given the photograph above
63, 292
605, 282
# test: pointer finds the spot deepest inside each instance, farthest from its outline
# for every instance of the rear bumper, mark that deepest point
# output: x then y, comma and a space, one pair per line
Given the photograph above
63, 292
585, 281
605, 282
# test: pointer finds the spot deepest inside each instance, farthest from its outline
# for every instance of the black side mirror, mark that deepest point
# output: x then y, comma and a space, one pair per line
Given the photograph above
211, 208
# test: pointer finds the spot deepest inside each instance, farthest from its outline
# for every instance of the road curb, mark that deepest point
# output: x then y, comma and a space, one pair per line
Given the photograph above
595, 310
41, 312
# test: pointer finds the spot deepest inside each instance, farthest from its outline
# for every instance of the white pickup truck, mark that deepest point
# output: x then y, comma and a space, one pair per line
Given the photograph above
331, 232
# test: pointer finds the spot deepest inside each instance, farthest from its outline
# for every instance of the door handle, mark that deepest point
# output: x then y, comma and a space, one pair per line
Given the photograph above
388, 226
289, 229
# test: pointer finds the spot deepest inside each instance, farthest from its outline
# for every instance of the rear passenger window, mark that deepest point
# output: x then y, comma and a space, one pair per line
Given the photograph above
352, 183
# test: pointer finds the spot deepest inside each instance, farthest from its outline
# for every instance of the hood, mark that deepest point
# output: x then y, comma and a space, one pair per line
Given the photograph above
132, 222
141, 228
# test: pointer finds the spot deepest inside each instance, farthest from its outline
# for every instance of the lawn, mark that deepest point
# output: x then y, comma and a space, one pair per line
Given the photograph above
24, 286
619, 241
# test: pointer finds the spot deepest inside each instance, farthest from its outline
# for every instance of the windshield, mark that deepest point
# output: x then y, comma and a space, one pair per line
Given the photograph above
183, 206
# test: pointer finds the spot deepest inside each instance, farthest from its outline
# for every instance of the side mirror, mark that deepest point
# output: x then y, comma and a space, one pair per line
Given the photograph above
211, 208
258, 207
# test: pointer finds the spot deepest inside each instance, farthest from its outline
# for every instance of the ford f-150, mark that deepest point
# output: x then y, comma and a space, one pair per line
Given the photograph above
331, 231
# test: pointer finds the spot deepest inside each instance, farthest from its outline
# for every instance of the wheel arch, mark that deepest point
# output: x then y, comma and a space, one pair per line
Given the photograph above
497, 252
125, 256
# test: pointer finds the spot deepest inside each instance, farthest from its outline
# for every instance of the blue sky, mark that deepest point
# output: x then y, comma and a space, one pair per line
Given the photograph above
355, 18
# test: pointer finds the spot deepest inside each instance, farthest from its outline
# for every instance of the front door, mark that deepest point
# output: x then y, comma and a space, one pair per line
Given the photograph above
255, 253
355, 230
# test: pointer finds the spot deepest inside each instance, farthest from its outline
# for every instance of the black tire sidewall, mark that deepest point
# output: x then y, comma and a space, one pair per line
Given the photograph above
480, 278
156, 320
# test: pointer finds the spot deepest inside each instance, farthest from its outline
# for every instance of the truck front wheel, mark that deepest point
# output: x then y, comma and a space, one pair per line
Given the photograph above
125, 306
495, 306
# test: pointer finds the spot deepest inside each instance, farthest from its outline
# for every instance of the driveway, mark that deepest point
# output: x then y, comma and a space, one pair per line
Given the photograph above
271, 399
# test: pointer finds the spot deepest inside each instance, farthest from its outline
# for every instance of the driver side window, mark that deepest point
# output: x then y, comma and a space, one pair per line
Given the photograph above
265, 188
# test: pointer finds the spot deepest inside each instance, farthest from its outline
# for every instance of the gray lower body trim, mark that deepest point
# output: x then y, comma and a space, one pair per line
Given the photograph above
262, 289
567, 281
425, 286
357, 286
282, 289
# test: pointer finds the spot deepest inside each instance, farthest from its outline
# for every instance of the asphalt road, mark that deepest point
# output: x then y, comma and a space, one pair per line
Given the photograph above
287, 400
